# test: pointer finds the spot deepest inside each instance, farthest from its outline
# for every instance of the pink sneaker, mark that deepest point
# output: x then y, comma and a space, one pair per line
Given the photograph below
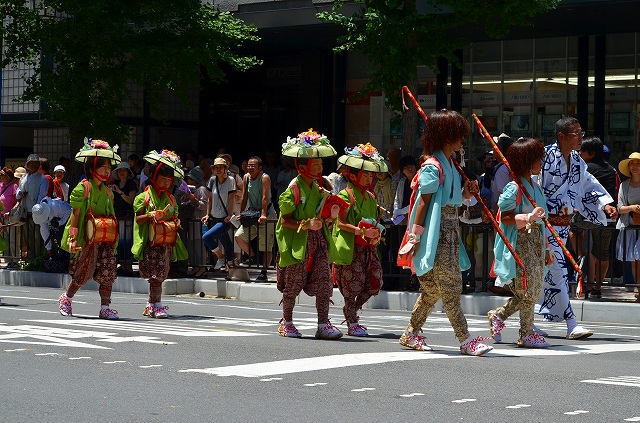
64, 305
473, 346
328, 331
495, 326
108, 313
148, 310
160, 311
415, 342
356, 329
533, 341
289, 330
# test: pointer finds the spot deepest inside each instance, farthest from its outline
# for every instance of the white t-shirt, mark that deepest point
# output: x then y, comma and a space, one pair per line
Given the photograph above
228, 186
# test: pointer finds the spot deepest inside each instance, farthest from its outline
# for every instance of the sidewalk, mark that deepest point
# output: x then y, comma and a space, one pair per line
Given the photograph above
616, 306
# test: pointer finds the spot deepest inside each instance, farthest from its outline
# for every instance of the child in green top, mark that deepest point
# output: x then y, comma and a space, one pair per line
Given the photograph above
303, 237
157, 213
92, 258
357, 268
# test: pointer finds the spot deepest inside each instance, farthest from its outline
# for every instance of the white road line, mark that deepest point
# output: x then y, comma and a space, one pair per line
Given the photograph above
314, 363
619, 380
300, 365
166, 328
41, 299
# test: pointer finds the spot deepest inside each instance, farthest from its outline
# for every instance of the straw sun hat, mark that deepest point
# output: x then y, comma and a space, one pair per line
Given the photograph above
624, 164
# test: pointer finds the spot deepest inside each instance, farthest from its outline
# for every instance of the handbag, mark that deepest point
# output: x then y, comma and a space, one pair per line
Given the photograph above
59, 261
249, 217
56, 264
18, 214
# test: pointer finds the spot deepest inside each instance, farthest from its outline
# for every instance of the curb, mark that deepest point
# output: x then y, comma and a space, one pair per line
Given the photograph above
478, 303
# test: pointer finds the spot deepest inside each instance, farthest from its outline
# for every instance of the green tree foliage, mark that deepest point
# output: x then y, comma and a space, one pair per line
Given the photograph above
88, 54
398, 35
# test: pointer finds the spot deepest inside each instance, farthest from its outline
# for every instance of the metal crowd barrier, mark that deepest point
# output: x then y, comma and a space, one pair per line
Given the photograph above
478, 240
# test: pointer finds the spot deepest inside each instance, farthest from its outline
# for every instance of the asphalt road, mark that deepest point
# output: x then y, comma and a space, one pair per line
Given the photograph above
219, 360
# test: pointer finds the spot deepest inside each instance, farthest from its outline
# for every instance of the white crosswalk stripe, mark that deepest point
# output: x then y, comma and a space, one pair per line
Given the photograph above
281, 367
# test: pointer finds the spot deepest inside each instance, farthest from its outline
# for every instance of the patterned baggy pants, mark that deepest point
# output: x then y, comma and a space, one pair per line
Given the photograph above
313, 276
554, 303
155, 267
528, 247
97, 262
444, 281
359, 280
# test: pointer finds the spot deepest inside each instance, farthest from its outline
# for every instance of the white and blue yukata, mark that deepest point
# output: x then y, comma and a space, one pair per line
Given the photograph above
566, 190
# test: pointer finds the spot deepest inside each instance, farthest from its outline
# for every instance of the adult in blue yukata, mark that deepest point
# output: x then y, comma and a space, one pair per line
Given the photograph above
568, 187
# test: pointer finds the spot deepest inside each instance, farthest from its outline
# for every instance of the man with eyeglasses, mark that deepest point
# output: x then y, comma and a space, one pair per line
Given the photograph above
568, 187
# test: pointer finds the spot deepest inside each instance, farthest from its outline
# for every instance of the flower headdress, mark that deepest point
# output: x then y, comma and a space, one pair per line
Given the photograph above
363, 157
366, 151
98, 148
166, 157
309, 144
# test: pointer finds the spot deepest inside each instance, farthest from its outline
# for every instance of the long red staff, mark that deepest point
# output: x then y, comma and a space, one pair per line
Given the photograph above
566, 252
525, 285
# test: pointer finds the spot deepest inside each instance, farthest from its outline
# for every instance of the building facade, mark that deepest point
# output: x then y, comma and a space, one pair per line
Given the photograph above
579, 60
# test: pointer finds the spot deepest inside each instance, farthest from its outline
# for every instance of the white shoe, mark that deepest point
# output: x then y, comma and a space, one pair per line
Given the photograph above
160, 311
64, 305
578, 333
413, 341
108, 313
495, 326
539, 331
220, 264
288, 329
473, 346
356, 329
148, 310
533, 341
328, 331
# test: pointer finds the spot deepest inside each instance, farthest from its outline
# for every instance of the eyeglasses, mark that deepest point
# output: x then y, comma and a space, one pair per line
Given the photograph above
576, 134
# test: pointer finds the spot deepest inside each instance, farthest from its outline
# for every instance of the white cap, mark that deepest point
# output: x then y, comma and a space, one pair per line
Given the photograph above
59, 168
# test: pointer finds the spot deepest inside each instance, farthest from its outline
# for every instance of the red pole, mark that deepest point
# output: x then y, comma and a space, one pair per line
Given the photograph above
512, 250
566, 252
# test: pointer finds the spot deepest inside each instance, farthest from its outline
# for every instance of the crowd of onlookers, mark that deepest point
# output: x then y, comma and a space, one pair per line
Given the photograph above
214, 189
36, 183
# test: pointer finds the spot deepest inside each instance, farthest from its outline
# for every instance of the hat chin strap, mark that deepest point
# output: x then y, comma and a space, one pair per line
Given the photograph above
361, 187
98, 177
306, 171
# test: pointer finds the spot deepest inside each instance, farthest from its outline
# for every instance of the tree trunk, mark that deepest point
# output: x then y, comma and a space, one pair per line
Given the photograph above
76, 139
